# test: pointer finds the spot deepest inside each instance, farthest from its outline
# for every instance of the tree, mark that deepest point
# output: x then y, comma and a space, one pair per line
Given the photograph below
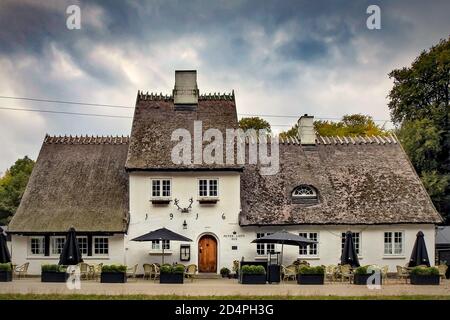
419, 105
12, 187
254, 123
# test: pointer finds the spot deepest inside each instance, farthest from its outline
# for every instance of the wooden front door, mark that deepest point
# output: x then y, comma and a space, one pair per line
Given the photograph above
207, 254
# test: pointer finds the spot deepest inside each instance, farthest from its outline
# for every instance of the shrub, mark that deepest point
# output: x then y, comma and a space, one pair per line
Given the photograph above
258, 269
311, 270
114, 268
166, 268
52, 268
5, 266
425, 271
225, 271
179, 268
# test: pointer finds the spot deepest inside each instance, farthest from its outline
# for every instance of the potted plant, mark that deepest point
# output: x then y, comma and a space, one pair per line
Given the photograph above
113, 274
310, 275
53, 273
235, 269
362, 274
252, 274
171, 274
225, 272
425, 276
5, 272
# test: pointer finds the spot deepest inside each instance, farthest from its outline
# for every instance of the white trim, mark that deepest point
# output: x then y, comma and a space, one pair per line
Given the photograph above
394, 255
34, 255
208, 196
160, 197
93, 247
308, 255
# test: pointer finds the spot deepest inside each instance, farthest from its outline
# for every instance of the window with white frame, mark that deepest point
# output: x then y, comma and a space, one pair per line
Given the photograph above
156, 245
83, 244
264, 248
208, 187
310, 249
393, 243
57, 244
161, 188
101, 245
356, 240
37, 245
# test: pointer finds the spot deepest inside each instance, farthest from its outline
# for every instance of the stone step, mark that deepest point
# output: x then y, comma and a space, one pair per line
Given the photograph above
204, 275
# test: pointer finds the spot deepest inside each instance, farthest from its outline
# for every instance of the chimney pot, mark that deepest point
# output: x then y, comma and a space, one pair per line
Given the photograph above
186, 90
306, 132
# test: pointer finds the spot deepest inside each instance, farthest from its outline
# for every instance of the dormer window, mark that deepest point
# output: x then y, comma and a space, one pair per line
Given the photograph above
305, 194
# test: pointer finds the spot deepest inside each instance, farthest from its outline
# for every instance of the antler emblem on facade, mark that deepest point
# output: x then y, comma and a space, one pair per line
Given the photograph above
183, 210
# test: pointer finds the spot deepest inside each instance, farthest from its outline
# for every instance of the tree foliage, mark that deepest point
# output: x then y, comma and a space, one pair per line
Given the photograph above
12, 187
419, 104
254, 123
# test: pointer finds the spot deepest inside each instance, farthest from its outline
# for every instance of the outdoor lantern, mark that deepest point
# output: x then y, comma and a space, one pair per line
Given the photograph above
184, 225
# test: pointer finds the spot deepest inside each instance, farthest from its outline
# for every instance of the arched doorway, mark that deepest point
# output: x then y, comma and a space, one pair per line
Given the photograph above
207, 254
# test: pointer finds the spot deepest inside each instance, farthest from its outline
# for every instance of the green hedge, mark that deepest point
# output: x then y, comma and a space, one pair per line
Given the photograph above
225, 271
167, 268
5, 266
425, 271
258, 269
114, 268
311, 270
52, 268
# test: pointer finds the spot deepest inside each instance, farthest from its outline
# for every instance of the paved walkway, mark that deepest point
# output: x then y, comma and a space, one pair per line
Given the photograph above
219, 287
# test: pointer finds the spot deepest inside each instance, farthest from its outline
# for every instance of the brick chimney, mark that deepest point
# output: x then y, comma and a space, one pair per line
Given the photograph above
186, 90
306, 132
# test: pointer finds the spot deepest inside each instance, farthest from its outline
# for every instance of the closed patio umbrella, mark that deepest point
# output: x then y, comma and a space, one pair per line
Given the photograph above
349, 255
283, 237
71, 254
160, 235
419, 255
4, 252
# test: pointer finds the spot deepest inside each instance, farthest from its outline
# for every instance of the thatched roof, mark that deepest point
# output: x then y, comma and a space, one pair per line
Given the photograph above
77, 182
359, 181
156, 117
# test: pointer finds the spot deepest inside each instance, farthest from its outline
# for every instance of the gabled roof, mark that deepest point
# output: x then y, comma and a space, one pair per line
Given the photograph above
156, 117
359, 181
77, 182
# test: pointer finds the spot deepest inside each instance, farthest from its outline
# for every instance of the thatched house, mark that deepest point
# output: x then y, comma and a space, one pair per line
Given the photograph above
114, 189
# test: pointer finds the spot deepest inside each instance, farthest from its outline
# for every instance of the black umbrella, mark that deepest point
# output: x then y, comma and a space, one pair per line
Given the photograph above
419, 255
160, 235
4, 252
71, 254
284, 237
349, 255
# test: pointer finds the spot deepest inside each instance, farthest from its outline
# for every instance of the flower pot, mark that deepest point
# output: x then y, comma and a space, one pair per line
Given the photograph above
225, 275
113, 277
54, 276
310, 278
171, 278
5, 276
361, 279
430, 279
253, 279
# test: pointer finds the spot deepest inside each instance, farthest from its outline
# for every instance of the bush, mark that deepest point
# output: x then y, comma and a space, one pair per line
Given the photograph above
225, 271
311, 270
425, 271
258, 269
179, 268
167, 268
114, 268
52, 268
5, 266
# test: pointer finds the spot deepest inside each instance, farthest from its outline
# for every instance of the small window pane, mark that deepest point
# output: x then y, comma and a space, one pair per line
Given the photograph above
166, 188
37, 245
213, 188
203, 188
156, 185
83, 245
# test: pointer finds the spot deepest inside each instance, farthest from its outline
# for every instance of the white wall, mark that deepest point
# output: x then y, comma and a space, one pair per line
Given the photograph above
20, 254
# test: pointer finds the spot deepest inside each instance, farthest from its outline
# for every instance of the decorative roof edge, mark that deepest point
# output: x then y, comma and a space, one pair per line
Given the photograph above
154, 96
86, 139
334, 140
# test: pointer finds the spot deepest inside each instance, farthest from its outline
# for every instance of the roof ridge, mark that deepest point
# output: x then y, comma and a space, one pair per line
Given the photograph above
346, 140
86, 139
154, 96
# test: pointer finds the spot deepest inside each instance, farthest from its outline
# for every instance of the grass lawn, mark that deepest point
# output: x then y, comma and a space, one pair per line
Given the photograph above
175, 297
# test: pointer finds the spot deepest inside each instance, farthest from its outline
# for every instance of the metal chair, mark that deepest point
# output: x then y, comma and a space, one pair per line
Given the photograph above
442, 270
402, 273
156, 272
191, 271
289, 272
131, 272
84, 270
21, 271
346, 272
330, 272
148, 270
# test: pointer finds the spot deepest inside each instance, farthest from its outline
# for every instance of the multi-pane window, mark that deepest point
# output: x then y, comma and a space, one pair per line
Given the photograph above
264, 248
161, 188
57, 244
37, 245
208, 187
393, 243
356, 240
83, 244
101, 245
310, 249
156, 245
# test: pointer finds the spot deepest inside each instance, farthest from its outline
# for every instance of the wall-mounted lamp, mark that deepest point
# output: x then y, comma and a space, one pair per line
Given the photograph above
184, 225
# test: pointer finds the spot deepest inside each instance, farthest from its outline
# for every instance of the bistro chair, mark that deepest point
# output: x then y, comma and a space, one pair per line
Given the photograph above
156, 272
402, 273
330, 272
384, 273
97, 271
148, 270
346, 272
191, 271
131, 272
442, 270
84, 270
289, 272
21, 271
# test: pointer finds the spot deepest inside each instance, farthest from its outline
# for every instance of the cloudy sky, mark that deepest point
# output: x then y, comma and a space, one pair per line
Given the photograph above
281, 58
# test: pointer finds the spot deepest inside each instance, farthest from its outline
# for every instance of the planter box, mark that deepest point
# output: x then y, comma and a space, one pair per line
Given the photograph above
113, 277
425, 280
51, 276
253, 279
361, 279
5, 276
310, 278
171, 278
